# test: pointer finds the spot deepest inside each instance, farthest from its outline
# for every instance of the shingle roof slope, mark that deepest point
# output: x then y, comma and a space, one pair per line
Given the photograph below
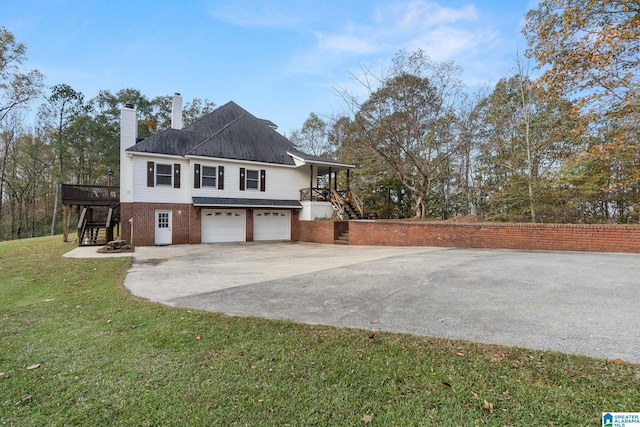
229, 132
217, 119
246, 138
175, 142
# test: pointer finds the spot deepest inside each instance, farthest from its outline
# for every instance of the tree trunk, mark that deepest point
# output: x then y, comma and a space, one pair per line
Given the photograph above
56, 203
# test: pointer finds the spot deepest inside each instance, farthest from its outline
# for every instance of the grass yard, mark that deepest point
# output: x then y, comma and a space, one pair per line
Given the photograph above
77, 349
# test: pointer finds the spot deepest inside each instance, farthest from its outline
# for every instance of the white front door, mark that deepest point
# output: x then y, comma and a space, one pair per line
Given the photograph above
163, 228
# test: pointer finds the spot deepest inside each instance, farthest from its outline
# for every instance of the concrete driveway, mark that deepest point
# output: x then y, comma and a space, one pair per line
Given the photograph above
580, 303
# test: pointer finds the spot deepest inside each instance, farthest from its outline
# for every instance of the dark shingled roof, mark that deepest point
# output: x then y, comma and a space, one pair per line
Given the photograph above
229, 132
247, 138
252, 203
173, 142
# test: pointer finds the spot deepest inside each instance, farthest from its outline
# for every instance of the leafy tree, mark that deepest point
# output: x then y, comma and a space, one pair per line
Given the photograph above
57, 115
28, 178
18, 87
153, 116
590, 48
313, 137
408, 123
196, 109
525, 139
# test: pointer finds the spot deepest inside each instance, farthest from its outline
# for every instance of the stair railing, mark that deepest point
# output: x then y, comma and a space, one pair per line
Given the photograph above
357, 202
338, 203
82, 225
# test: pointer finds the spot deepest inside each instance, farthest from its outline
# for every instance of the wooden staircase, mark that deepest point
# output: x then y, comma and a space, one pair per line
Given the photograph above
347, 205
96, 225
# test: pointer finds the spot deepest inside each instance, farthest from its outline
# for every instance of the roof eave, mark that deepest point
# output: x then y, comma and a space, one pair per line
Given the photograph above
300, 161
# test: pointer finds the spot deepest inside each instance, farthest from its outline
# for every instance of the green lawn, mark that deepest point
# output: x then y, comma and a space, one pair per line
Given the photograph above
77, 349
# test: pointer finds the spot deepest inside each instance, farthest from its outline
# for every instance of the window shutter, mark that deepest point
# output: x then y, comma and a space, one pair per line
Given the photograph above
263, 181
176, 175
151, 172
241, 179
220, 177
196, 176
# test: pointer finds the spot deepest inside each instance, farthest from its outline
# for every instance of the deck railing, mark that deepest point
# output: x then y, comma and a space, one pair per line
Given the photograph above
90, 195
315, 194
338, 198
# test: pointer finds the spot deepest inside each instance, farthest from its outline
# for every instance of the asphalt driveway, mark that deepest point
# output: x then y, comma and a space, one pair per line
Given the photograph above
580, 303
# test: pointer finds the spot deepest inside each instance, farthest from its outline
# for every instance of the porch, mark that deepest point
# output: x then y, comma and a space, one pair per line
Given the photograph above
334, 203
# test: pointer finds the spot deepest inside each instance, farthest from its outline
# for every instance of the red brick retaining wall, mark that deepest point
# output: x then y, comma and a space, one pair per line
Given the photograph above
313, 231
557, 237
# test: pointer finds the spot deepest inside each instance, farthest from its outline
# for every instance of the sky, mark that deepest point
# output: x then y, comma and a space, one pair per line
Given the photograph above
278, 59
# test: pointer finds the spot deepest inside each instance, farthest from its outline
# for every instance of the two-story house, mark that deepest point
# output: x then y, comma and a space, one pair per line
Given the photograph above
228, 177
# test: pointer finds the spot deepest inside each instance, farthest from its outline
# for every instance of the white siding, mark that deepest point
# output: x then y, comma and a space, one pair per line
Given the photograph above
160, 193
314, 210
283, 183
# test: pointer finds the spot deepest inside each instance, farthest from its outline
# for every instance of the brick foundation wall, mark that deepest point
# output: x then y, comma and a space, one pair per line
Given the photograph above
313, 231
554, 237
185, 223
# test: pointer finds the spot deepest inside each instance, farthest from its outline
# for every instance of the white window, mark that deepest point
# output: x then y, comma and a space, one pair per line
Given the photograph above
209, 175
253, 179
163, 174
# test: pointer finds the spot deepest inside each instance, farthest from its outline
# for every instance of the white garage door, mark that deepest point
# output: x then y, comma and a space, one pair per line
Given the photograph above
223, 225
271, 225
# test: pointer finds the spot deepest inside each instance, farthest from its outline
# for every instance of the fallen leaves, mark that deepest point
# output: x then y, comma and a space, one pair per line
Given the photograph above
34, 366
367, 418
488, 406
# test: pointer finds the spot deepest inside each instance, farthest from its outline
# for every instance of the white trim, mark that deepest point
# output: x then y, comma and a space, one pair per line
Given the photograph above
300, 162
165, 156
220, 205
222, 159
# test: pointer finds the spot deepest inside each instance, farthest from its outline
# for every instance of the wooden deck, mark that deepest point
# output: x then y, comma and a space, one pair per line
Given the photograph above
90, 195
99, 212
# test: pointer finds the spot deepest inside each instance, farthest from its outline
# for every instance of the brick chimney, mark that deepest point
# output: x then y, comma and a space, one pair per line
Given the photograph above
176, 112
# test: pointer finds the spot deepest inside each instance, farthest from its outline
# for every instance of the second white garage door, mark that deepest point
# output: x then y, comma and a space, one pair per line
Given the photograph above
223, 225
271, 225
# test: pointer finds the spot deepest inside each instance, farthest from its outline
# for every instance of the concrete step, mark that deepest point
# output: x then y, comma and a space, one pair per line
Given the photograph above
343, 239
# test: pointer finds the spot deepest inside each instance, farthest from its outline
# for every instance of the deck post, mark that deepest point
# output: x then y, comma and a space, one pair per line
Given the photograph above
65, 223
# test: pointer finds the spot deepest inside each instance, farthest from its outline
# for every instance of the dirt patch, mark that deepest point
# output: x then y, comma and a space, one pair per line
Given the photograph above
458, 219
467, 219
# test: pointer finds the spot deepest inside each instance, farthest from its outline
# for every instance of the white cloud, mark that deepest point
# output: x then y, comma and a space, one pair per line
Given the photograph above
448, 42
441, 31
422, 15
